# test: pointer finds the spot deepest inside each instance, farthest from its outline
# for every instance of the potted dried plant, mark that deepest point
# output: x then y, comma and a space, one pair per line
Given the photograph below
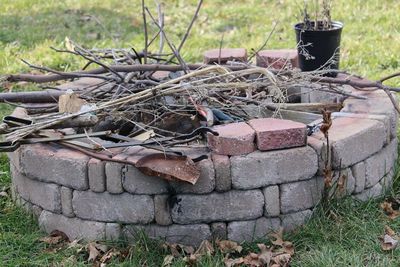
318, 38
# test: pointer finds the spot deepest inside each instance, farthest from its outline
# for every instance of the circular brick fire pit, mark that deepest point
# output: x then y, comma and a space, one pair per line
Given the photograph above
243, 191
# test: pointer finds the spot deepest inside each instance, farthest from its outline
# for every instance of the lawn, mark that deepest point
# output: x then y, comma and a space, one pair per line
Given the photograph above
345, 233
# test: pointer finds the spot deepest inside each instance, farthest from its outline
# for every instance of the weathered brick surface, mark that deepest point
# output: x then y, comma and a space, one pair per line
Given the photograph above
74, 228
219, 231
135, 182
260, 169
42, 194
124, 208
272, 206
51, 164
161, 210
314, 93
205, 183
344, 132
15, 158
232, 205
300, 195
349, 183
252, 230
97, 175
191, 235
226, 54
293, 220
222, 166
380, 163
277, 134
113, 231
115, 173
358, 171
278, 58
66, 202
369, 193
233, 139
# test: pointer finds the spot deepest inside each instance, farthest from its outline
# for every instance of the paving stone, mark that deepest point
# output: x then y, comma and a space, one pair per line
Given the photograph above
380, 163
260, 169
278, 134
224, 55
74, 228
300, 195
115, 173
319, 147
219, 231
66, 202
42, 194
342, 136
15, 158
373, 192
232, 205
272, 206
222, 166
314, 93
123, 208
97, 175
358, 171
252, 230
191, 235
294, 220
113, 231
49, 163
233, 139
161, 210
278, 58
36, 210
382, 118
205, 183
135, 182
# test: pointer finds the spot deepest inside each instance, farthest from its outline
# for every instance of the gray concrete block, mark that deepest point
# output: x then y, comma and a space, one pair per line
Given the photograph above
74, 228
300, 195
370, 193
55, 165
113, 231
229, 206
66, 202
358, 171
97, 175
123, 208
259, 169
42, 194
380, 163
135, 182
222, 166
161, 210
205, 184
272, 206
219, 231
191, 235
252, 230
114, 172
294, 220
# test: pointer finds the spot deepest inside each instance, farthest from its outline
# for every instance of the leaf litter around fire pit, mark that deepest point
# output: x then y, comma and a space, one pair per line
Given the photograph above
170, 167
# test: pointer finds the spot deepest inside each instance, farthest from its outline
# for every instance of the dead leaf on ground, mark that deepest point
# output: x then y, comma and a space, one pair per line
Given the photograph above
233, 262
70, 103
55, 237
387, 207
109, 255
205, 248
168, 261
389, 240
178, 249
228, 246
3, 194
95, 250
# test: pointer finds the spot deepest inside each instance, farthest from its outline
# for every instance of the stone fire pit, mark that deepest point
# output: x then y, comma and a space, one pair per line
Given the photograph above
239, 197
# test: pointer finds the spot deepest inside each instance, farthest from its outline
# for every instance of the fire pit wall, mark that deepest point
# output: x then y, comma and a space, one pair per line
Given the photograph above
239, 197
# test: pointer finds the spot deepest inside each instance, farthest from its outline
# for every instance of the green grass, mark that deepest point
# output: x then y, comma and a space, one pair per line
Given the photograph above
345, 234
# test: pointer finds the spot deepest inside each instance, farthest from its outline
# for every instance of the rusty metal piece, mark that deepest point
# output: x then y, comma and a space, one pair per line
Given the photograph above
169, 167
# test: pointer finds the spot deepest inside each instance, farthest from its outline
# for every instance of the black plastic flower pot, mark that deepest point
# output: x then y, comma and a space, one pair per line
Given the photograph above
319, 49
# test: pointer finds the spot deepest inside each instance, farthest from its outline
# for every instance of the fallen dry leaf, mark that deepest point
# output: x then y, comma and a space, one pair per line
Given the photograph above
265, 255
3, 194
282, 260
252, 259
389, 240
387, 207
233, 262
55, 237
278, 236
228, 246
205, 248
109, 255
93, 252
168, 261
177, 249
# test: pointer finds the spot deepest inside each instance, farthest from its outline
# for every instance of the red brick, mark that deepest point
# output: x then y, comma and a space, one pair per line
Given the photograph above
277, 134
227, 54
277, 59
233, 139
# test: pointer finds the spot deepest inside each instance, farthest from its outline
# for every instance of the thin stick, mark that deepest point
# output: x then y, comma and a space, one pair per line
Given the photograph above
264, 44
145, 33
190, 25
